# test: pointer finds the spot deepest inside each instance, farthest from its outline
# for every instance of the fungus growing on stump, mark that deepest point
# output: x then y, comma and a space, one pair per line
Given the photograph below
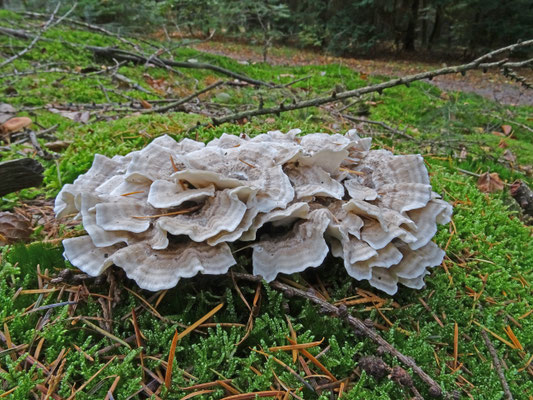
173, 209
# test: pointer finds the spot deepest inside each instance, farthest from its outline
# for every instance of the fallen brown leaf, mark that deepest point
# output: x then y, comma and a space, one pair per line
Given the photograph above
145, 104
503, 144
507, 129
14, 228
77, 116
490, 182
509, 156
15, 124
58, 145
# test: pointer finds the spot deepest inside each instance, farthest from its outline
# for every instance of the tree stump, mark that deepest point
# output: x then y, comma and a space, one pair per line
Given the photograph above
19, 174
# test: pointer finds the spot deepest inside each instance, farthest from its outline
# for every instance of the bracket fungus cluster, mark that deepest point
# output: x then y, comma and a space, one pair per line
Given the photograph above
172, 209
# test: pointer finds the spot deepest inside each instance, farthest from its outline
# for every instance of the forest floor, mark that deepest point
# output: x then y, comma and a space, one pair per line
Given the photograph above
491, 85
64, 335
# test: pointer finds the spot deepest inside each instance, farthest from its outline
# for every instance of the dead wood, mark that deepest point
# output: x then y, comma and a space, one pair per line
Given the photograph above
497, 365
379, 88
111, 53
50, 23
382, 124
19, 174
360, 327
523, 196
91, 27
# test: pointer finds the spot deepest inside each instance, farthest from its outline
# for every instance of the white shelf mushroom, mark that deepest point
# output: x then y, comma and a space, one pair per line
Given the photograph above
171, 210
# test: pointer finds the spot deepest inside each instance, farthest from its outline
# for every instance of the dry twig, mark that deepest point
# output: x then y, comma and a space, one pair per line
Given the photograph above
434, 388
45, 27
382, 124
406, 80
497, 365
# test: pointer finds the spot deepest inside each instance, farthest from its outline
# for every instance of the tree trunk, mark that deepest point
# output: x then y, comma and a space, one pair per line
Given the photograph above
424, 27
435, 32
19, 174
410, 33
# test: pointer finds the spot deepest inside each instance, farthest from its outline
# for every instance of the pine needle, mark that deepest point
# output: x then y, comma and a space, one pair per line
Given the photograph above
73, 395
455, 344
109, 394
198, 393
200, 321
513, 338
294, 337
297, 346
138, 339
228, 387
253, 395
184, 211
130, 193
317, 363
495, 335
168, 374
177, 337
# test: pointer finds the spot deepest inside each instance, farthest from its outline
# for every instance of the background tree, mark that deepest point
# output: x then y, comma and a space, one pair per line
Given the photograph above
346, 27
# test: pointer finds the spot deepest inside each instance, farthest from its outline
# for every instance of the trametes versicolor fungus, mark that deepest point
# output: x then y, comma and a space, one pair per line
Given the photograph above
171, 209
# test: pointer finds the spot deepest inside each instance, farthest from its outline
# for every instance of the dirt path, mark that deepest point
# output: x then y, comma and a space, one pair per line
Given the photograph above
492, 85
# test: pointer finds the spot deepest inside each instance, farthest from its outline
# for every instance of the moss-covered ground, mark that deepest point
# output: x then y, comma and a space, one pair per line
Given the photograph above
77, 349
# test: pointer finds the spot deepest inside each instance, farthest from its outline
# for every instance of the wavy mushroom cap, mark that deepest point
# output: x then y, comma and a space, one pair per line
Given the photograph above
173, 209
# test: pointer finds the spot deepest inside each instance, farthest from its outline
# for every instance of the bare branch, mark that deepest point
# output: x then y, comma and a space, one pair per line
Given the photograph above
382, 124
497, 365
118, 54
88, 26
45, 27
184, 100
476, 64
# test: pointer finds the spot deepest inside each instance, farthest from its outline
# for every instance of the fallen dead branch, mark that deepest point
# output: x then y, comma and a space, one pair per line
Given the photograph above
382, 124
113, 53
380, 87
497, 365
184, 100
327, 308
50, 23
91, 27
123, 55
45, 27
